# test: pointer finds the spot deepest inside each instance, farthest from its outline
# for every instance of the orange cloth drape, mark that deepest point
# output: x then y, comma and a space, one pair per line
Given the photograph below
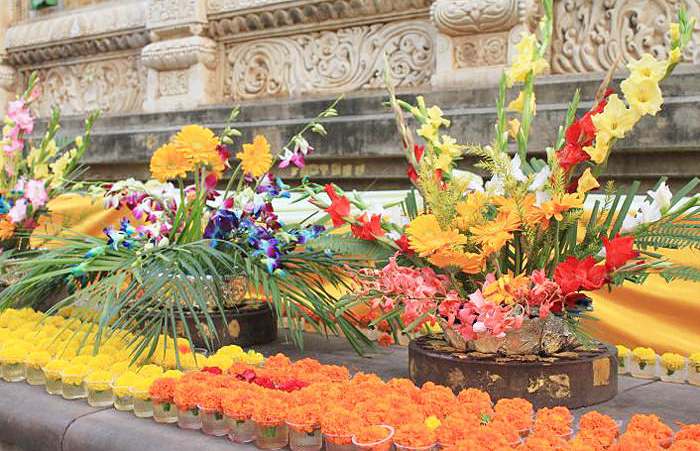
665, 317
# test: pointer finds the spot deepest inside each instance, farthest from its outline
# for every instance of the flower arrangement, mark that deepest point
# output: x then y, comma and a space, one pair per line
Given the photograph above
672, 362
415, 435
644, 357
33, 172
193, 243
651, 426
519, 251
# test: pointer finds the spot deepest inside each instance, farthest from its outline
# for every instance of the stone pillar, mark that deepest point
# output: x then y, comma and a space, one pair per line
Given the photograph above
8, 74
476, 38
181, 60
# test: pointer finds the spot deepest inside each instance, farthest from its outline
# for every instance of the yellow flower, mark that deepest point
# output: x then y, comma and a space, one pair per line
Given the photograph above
644, 355
169, 162
561, 203
435, 117
52, 148
674, 55
100, 362
443, 162
599, 152
467, 262
518, 104
223, 362
74, 374
7, 229
428, 131
196, 142
469, 210
615, 120
53, 369
256, 158
150, 370
694, 360
449, 146
675, 31
432, 422
505, 289
78, 141
231, 350
426, 237
41, 172
672, 362
647, 67
38, 359
119, 367
81, 359
644, 96
13, 354
496, 233
623, 351
173, 374
525, 62
123, 384
140, 388
99, 380
587, 182
513, 128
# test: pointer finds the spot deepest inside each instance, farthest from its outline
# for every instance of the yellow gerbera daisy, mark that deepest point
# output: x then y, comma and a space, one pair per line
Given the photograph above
426, 237
467, 262
256, 158
169, 162
7, 229
196, 142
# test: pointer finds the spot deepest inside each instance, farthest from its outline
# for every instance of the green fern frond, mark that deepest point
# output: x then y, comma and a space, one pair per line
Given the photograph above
671, 232
681, 272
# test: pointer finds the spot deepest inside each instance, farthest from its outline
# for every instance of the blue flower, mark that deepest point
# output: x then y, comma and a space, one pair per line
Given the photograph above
4, 206
94, 252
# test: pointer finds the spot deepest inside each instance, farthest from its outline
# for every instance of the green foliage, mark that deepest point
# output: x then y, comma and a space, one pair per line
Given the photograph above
681, 272
347, 244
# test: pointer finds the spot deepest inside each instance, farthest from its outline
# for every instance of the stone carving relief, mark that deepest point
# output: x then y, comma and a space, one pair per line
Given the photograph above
279, 14
331, 61
481, 50
112, 86
173, 82
162, 13
588, 36
459, 17
180, 53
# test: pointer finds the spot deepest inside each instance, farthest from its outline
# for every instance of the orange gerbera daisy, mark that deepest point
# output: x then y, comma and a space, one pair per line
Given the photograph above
495, 234
197, 142
7, 229
469, 210
467, 262
169, 162
426, 237
256, 158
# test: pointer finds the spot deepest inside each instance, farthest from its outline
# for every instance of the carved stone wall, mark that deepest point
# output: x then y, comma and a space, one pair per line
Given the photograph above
330, 61
590, 34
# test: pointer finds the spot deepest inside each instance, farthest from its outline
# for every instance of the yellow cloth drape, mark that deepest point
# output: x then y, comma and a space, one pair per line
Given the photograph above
665, 317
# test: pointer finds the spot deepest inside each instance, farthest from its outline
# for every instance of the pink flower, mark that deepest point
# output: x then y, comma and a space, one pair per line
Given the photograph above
19, 114
35, 191
18, 212
16, 143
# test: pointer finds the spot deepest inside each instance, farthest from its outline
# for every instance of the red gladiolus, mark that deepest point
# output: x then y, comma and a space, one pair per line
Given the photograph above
618, 251
573, 275
368, 230
330, 190
339, 210
403, 244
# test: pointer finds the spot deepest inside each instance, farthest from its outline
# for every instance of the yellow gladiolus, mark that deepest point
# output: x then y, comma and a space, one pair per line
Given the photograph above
643, 95
615, 120
647, 67
587, 182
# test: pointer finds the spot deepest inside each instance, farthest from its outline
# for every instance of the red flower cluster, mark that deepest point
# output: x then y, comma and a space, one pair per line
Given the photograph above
339, 209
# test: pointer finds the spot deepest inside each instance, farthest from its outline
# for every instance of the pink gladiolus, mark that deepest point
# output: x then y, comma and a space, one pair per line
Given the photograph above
35, 191
19, 114
18, 212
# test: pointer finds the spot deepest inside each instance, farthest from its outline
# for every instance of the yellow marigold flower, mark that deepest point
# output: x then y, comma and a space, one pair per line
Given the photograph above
426, 237
643, 95
256, 158
13, 354
231, 350
196, 142
518, 104
74, 374
119, 367
81, 359
53, 369
7, 229
647, 67
140, 388
223, 362
675, 31
173, 374
615, 120
99, 380
432, 422
587, 182
467, 262
694, 359
38, 359
469, 210
169, 162
672, 362
599, 152
149, 370
674, 56
123, 384
645, 355
623, 351
101, 361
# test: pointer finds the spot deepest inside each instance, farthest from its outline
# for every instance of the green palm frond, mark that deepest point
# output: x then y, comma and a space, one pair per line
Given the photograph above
680, 272
347, 244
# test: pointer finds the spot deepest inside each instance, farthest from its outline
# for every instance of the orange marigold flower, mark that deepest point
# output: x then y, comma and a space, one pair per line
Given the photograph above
455, 428
635, 441
305, 417
239, 404
465, 444
436, 399
340, 424
372, 434
336, 372
517, 411
270, 409
534, 443
491, 438
651, 425
278, 361
7, 229
415, 435
604, 427
187, 394
163, 388
508, 430
557, 419
474, 396
210, 399
685, 445
689, 432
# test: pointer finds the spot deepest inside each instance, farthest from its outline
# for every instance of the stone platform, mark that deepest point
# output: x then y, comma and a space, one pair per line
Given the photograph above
31, 420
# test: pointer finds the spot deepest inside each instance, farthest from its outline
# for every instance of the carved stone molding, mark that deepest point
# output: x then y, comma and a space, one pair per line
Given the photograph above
111, 85
234, 19
88, 24
180, 53
8, 77
588, 36
174, 13
461, 17
331, 61
481, 50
